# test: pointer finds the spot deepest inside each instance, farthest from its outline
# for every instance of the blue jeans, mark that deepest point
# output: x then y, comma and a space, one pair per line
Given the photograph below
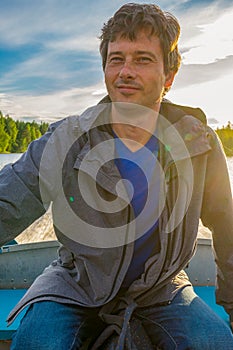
186, 323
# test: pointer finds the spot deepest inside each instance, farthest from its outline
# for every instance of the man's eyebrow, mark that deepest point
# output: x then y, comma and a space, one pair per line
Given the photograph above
115, 53
138, 52
149, 53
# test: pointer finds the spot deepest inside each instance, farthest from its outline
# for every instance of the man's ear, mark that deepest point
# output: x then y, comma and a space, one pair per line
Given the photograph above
169, 79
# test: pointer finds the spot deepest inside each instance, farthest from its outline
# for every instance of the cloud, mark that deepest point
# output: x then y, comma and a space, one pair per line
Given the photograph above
52, 106
28, 22
192, 74
52, 23
53, 71
43, 21
214, 97
61, 71
74, 43
61, 42
214, 41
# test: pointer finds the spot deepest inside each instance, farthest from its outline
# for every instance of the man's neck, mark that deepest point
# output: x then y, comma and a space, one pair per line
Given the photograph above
134, 125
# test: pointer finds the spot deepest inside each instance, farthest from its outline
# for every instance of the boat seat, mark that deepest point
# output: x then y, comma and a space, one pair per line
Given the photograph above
8, 299
207, 293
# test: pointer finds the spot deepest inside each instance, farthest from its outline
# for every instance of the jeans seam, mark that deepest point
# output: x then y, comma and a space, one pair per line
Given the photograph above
76, 334
160, 326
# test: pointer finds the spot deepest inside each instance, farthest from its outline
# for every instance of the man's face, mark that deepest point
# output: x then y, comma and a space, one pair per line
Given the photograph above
134, 71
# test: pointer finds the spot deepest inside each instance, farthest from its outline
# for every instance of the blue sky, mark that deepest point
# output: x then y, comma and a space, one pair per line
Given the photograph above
50, 65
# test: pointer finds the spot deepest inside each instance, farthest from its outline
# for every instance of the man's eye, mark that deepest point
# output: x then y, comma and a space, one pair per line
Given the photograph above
144, 59
116, 59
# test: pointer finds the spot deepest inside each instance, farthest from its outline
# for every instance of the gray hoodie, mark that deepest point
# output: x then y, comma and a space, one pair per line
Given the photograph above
92, 264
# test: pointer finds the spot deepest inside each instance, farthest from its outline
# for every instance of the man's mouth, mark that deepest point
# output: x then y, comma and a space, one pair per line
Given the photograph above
127, 88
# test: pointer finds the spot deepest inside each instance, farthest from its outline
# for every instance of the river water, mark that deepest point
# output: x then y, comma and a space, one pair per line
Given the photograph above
10, 158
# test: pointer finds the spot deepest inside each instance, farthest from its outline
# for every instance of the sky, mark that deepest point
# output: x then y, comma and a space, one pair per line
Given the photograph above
50, 65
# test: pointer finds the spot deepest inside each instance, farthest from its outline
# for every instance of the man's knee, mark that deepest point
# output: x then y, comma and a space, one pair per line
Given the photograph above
213, 338
47, 326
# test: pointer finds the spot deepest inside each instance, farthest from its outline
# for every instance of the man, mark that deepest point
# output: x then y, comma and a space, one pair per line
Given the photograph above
129, 180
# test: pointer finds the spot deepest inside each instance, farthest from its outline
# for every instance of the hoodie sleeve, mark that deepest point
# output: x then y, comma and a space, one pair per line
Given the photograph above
20, 190
217, 215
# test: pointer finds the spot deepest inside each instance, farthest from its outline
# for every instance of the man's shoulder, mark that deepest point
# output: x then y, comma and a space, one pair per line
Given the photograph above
174, 111
71, 119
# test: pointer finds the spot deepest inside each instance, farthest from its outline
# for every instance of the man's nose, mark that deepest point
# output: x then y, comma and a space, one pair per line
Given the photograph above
127, 70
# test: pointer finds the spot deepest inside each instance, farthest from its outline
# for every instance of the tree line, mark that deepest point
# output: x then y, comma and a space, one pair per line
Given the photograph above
226, 136
15, 135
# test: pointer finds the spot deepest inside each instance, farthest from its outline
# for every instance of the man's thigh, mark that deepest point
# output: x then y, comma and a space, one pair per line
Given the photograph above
49, 325
186, 323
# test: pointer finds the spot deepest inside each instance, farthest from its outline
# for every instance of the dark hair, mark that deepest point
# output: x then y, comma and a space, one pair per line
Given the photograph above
131, 18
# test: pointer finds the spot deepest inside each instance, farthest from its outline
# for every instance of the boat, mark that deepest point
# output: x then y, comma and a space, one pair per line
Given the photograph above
20, 264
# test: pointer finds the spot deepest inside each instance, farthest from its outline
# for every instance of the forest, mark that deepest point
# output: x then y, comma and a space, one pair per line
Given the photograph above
226, 136
15, 135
